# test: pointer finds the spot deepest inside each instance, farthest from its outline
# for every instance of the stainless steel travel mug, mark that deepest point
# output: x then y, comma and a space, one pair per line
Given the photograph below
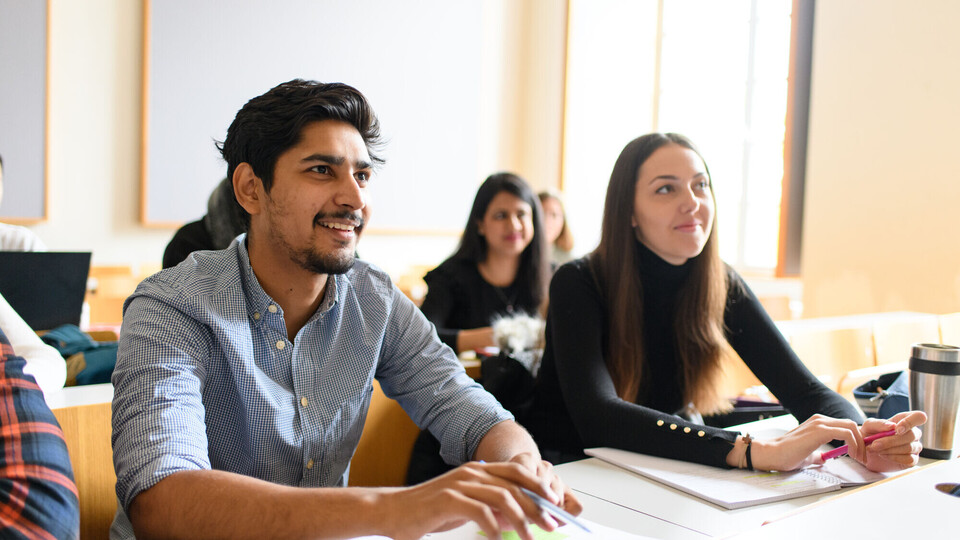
935, 390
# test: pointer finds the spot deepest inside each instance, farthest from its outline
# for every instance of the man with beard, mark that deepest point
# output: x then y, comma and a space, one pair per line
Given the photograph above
244, 375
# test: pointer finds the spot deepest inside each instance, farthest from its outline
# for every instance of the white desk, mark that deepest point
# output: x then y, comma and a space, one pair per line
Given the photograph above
72, 396
902, 507
620, 499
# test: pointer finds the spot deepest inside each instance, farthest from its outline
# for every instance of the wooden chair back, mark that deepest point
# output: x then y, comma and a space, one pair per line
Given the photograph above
383, 453
892, 338
829, 353
86, 429
950, 328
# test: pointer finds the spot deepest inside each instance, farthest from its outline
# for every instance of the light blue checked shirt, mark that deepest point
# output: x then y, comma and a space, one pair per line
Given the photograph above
207, 379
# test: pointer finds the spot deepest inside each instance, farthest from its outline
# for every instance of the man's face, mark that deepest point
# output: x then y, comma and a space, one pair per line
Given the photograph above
317, 207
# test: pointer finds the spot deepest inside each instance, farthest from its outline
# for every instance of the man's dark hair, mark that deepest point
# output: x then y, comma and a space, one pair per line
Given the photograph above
270, 124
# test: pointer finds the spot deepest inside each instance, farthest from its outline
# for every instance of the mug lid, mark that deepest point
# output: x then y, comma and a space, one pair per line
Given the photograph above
936, 352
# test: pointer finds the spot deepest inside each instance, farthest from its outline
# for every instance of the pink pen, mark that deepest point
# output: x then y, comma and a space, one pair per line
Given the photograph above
842, 450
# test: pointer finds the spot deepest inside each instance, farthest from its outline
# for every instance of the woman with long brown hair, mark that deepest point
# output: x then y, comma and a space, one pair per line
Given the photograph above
637, 332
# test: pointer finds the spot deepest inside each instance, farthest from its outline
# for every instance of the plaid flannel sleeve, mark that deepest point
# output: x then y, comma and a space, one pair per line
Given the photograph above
38, 497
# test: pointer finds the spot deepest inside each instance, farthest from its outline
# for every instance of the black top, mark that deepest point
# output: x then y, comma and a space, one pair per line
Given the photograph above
193, 236
458, 298
577, 406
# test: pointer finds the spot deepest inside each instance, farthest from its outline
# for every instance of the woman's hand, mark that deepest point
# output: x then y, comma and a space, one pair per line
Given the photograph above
798, 448
896, 452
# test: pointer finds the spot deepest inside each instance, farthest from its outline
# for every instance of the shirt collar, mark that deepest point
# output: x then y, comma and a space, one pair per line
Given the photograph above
259, 302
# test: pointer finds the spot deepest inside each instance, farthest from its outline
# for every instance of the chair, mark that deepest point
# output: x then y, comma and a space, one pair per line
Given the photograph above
830, 353
950, 328
86, 429
383, 453
892, 338
109, 287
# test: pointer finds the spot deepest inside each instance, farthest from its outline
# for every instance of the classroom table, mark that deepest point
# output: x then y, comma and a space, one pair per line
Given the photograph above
635, 504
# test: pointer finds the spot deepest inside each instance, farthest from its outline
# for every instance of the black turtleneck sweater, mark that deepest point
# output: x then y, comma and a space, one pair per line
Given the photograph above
577, 406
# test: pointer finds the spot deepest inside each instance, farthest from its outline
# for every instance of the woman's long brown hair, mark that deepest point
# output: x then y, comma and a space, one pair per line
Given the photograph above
698, 325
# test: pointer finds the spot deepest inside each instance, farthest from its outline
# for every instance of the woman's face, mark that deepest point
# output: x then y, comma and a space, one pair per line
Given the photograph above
507, 225
673, 206
552, 218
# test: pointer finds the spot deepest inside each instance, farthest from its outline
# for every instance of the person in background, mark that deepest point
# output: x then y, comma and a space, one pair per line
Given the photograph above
15, 237
43, 362
500, 268
215, 230
637, 330
38, 497
244, 375
556, 228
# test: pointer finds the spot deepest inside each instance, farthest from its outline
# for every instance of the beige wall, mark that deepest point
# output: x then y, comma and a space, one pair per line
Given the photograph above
95, 100
880, 223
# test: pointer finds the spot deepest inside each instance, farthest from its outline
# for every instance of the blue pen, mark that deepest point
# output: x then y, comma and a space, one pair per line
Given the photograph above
554, 510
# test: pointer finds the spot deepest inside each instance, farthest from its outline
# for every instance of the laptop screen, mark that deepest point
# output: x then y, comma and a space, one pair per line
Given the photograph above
46, 288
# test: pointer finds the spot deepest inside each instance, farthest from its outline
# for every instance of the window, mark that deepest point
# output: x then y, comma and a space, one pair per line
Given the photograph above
714, 71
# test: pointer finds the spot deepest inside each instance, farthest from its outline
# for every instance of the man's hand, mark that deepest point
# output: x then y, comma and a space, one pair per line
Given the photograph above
558, 493
486, 493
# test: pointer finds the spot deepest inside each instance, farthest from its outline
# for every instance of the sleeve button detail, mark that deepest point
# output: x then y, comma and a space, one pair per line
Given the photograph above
686, 430
673, 426
701, 433
659, 422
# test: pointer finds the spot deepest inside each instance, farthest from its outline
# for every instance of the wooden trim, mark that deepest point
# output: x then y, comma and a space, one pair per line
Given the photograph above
657, 66
563, 96
145, 124
790, 234
46, 124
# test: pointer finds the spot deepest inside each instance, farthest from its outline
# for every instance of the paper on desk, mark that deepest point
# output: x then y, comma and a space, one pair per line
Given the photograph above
471, 531
729, 488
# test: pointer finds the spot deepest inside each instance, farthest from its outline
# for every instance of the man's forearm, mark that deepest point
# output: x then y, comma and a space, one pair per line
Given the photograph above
216, 504
505, 441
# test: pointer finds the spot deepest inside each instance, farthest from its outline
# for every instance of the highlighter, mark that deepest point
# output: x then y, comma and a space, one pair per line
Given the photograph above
842, 450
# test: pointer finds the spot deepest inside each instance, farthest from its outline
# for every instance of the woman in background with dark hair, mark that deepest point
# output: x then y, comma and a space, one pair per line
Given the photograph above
637, 332
501, 267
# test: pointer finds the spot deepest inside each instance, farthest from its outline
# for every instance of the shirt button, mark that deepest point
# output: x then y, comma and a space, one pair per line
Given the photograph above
256, 316
659, 422
272, 308
673, 426
309, 463
686, 430
281, 345
303, 401
701, 433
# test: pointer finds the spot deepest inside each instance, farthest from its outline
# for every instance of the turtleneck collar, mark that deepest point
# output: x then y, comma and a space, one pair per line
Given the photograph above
652, 267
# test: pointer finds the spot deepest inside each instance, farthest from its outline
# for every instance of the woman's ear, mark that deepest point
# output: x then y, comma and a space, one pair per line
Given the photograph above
247, 188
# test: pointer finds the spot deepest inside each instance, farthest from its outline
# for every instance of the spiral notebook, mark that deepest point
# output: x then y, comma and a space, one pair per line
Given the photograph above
737, 488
